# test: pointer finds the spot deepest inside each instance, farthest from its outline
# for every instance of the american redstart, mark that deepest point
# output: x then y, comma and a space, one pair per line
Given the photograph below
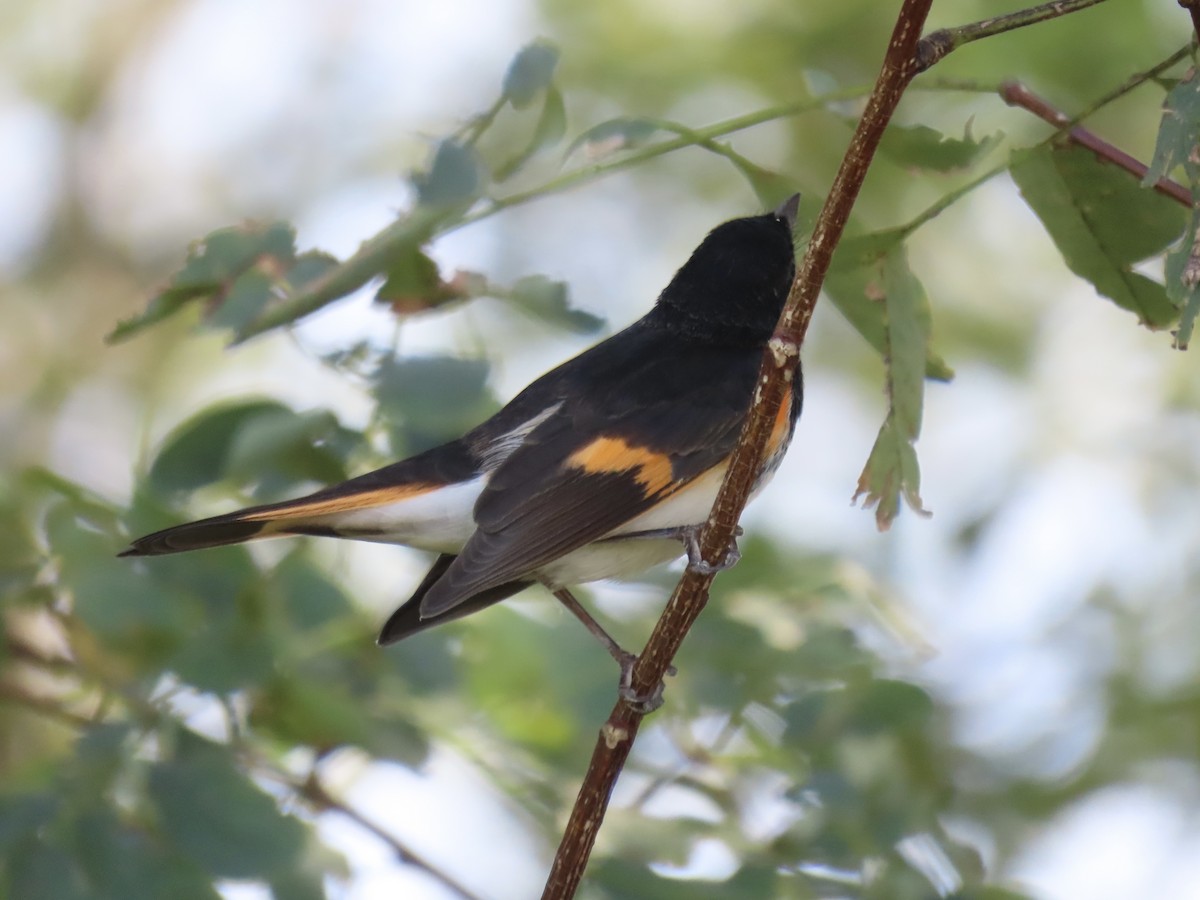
595, 470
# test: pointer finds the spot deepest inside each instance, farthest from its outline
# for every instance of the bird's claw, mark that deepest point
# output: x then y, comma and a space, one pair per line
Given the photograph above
696, 562
642, 703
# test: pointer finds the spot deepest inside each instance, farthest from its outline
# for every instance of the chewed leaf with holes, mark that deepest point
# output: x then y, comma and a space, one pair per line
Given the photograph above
233, 274
1178, 146
891, 471
1103, 223
922, 147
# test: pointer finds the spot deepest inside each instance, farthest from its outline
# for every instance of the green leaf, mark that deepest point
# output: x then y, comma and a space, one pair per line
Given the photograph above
854, 292
217, 816
921, 147
891, 470
613, 136
1179, 133
196, 453
277, 451
24, 815
455, 177
548, 301
299, 710
235, 272
38, 870
530, 72
1103, 223
412, 278
121, 862
433, 398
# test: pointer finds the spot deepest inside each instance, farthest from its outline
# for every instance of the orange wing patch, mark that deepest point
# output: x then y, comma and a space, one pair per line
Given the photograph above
613, 455
344, 503
781, 426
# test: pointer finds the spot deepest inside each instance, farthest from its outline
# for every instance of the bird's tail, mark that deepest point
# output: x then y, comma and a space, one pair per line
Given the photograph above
307, 515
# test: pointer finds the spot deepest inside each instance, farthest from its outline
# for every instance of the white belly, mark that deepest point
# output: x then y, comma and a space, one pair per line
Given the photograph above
440, 520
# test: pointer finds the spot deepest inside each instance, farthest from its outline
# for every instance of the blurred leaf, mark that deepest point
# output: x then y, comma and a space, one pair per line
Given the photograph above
1179, 133
311, 600
42, 871
196, 453
115, 601
612, 137
23, 815
455, 177
530, 72
122, 862
1103, 223
217, 816
889, 706
549, 130
432, 398
412, 282
299, 886
282, 449
891, 470
236, 272
548, 301
921, 147
297, 710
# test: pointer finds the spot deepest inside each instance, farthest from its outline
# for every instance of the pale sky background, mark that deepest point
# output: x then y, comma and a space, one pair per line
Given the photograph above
1004, 635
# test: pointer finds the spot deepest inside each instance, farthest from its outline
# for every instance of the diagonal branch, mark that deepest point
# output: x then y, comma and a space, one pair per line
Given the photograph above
617, 735
1016, 94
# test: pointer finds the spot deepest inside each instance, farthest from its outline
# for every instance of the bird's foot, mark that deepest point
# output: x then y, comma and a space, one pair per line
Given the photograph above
644, 703
696, 563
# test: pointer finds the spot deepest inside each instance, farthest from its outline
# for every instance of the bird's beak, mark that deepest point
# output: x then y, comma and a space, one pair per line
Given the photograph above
787, 210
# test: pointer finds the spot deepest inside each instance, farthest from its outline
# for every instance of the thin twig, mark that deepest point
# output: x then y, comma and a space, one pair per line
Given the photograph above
690, 595
937, 44
314, 791
1016, 94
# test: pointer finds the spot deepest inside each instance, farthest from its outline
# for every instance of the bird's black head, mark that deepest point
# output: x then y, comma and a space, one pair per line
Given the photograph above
733, 288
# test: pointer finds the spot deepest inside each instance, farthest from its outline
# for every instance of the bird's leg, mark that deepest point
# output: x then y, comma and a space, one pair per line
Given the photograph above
690, 536
624, 658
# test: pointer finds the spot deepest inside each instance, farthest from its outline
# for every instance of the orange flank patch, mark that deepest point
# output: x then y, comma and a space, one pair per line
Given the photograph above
613, 455
781, 426
341, 503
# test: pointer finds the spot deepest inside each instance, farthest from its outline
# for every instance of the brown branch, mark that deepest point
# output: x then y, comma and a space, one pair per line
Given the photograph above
691, 594
1193, 7
1016, 94
938, 44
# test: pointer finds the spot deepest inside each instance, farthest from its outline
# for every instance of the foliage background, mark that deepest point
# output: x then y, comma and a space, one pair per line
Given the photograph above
1002, 695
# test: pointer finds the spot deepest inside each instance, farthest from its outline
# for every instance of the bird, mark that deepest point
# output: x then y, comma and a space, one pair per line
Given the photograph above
602, 468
